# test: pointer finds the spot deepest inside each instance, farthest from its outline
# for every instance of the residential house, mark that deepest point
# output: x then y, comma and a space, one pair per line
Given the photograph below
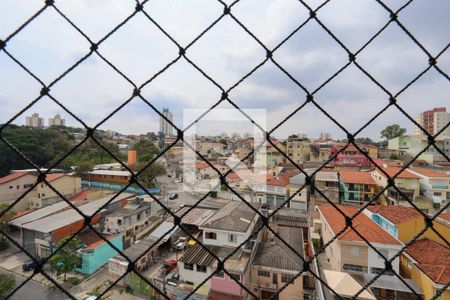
327, 182
134, 219
407, 182
427, 263
273, 192
405, 223
275, 265
433, 185
298, 192
14, 185
356, 187
414, 144
43, 195
349, 252
298, 149
350, 157
230, 227
96, 252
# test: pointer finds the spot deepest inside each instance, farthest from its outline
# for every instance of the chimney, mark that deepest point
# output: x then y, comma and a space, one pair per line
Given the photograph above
131, 158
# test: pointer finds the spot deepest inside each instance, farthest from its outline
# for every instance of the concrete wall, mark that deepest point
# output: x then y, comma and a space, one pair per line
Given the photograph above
12, 190
291, 292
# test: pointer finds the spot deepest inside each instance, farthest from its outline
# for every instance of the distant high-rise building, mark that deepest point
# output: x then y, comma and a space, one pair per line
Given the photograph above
165, 126
56, 121
35, 121
433, 121
325, 136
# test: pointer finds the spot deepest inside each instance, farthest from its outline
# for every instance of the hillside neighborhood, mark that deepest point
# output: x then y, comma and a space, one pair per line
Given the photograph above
298, 218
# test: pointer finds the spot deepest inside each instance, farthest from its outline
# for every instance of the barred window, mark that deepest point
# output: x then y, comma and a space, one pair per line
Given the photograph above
285, 278
263, 273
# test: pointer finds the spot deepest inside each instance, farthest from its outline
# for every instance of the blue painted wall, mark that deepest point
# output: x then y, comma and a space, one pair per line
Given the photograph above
388, 226
92, 260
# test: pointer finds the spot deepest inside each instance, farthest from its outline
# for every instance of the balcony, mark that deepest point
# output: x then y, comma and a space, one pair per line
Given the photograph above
439, 187
394, 195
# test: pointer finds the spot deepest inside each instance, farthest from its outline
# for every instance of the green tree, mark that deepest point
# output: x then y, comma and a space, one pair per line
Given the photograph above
83, 168
7, 283
393, 156
392, 131
66, 258
145, 150
4, 223
148, 176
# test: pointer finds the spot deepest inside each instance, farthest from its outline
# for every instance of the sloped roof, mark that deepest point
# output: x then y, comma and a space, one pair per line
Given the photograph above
358, 177
430, 173
233, 216
361, 223
12, 176
53, 176
277, 255
345, 285
432, 258
391, 171
397, 214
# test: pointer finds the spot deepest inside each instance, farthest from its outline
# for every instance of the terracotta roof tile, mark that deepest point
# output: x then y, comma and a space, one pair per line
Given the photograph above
12, 176
54, 176
391, 171
361, 223
397, 214
430, 172
445, 216
359, 177
432, 258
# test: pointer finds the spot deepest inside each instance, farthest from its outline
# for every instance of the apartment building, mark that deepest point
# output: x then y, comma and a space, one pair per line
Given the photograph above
349, 252
275, 265
273, 192
427, 263
35, 121
356, 187
433, 121
414, 144
407, 182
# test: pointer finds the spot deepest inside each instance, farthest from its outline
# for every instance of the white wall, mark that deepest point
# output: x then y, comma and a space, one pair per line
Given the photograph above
194, 276
378, 262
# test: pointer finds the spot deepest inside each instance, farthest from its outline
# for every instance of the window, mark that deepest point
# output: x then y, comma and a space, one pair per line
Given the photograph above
380, 270
188, 266
211, 235
10, 187
119, 222
437, 193
18, 186
275, 278
354, 251
385, 254
263, 273
25, 186
201, 269
232, 238
139, 216
235, 276
285, 278
354, 268
219, 274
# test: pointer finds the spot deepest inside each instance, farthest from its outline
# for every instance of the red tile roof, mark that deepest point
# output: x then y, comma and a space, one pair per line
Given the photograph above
359, 177
280, 181
361, 223
432, 259
397, 214
12, 176
201, 165
430, 172
81, 195
54, 176
445, 216
391, 171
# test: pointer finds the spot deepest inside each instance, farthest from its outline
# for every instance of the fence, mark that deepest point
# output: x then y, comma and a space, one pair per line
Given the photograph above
183, 54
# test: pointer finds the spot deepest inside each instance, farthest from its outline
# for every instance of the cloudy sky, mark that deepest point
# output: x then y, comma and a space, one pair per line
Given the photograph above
49, 45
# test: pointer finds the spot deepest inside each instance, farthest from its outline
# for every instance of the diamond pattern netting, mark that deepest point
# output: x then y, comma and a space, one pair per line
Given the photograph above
183, 54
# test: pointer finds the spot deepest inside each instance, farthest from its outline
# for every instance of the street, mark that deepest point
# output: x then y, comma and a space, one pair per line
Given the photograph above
169, 186
33, 290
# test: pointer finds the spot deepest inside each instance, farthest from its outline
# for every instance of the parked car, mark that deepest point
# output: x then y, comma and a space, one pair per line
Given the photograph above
169, 265
173, 196
180, 244
29, 265
173, 279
